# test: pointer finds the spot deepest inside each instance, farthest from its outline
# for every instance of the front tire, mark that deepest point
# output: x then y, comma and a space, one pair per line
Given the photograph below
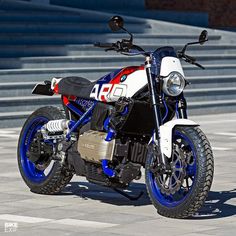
58, 175
196, 167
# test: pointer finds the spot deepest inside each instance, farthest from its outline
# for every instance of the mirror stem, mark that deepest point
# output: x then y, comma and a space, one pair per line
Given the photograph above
131, 35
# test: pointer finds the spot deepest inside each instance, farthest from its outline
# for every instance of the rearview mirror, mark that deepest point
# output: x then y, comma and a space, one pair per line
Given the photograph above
203, 37
116, 23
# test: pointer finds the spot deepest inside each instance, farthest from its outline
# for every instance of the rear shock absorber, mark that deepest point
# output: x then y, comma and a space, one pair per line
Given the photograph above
54, 126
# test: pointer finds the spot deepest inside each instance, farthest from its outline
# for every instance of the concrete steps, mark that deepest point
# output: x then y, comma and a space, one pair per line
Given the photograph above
40, 42
62, 28
211, 94
94, 73
11, 51
13, 119
17, 89
28, 103
99, 60
211, 107
138, 9
220, 81
62, 38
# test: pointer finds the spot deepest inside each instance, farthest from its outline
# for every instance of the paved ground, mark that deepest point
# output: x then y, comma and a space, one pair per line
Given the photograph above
87, 209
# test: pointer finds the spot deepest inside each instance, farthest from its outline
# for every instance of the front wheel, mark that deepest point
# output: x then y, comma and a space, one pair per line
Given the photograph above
182, 192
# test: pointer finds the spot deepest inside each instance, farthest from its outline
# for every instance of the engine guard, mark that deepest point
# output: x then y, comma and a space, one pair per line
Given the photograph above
166, 132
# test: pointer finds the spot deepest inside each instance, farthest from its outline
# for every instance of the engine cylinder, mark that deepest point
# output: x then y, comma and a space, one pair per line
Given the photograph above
93, 147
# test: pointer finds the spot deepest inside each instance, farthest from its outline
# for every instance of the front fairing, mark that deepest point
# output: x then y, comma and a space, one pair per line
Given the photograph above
165, 60
170, 64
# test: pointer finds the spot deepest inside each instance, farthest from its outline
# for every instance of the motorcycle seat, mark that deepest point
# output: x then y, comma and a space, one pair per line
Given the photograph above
76, 86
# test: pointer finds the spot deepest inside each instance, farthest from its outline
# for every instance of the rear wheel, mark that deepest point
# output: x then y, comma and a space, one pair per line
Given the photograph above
181, 193
41, 174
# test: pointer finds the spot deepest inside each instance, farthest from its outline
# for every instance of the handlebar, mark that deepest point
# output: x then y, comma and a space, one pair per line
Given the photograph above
189, 59
126, 47
102, 45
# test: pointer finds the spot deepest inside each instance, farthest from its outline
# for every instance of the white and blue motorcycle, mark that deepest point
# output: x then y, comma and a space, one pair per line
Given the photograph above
109, 129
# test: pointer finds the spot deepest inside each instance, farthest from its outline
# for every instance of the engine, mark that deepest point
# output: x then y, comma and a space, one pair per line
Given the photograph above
132, 122
93, 147
125, 158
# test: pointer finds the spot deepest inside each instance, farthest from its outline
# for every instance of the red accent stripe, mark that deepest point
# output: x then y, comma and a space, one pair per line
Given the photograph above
65, 100
126, 71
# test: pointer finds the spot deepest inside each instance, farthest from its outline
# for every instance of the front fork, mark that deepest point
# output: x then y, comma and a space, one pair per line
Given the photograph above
156, 112
181, 107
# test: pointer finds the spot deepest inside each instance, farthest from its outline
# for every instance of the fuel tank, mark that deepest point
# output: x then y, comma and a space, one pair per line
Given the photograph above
121, 83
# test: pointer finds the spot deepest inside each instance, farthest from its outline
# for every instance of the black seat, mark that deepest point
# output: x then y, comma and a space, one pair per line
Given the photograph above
77, 86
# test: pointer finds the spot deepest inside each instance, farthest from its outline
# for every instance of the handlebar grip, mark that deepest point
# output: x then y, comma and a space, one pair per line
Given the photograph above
102, 45
200, 66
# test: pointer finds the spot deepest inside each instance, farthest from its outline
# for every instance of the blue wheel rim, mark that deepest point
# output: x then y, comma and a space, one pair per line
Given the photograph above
30, 171
170, 200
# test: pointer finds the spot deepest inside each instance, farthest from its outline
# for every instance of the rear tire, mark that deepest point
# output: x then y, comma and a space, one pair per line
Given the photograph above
192, 201
59, 175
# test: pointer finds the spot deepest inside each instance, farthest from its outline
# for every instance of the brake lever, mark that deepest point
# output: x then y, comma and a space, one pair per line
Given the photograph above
189, 58
192, 61
200, 66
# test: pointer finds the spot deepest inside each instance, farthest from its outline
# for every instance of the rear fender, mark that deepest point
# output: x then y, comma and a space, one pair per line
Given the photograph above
166, 133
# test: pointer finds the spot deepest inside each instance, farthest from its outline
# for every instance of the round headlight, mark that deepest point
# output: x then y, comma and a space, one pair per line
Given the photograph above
173, 84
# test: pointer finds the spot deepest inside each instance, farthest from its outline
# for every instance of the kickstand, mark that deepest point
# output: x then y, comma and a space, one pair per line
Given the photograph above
131, 198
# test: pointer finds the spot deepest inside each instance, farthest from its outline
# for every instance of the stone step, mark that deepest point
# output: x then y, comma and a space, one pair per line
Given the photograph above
102, 5
212, 107
16, 89
13, 119
85, 50
66, 28
76, 38
56, 17
97, 60
22, 95
70, 61
94, 73
89, 49
220, 81
196, 82
210, 94
27, 103
216, 69
179, 17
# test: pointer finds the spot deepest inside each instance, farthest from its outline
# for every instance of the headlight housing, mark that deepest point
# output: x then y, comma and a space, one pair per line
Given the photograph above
173, 84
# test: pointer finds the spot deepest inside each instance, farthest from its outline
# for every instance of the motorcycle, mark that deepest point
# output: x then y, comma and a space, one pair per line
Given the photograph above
108, 130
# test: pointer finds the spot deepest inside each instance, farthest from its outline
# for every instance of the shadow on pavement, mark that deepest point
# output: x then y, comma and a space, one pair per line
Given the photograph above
87, 190
216, 205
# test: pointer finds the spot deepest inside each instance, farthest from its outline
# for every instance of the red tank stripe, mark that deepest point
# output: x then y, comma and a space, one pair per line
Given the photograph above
126, 71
